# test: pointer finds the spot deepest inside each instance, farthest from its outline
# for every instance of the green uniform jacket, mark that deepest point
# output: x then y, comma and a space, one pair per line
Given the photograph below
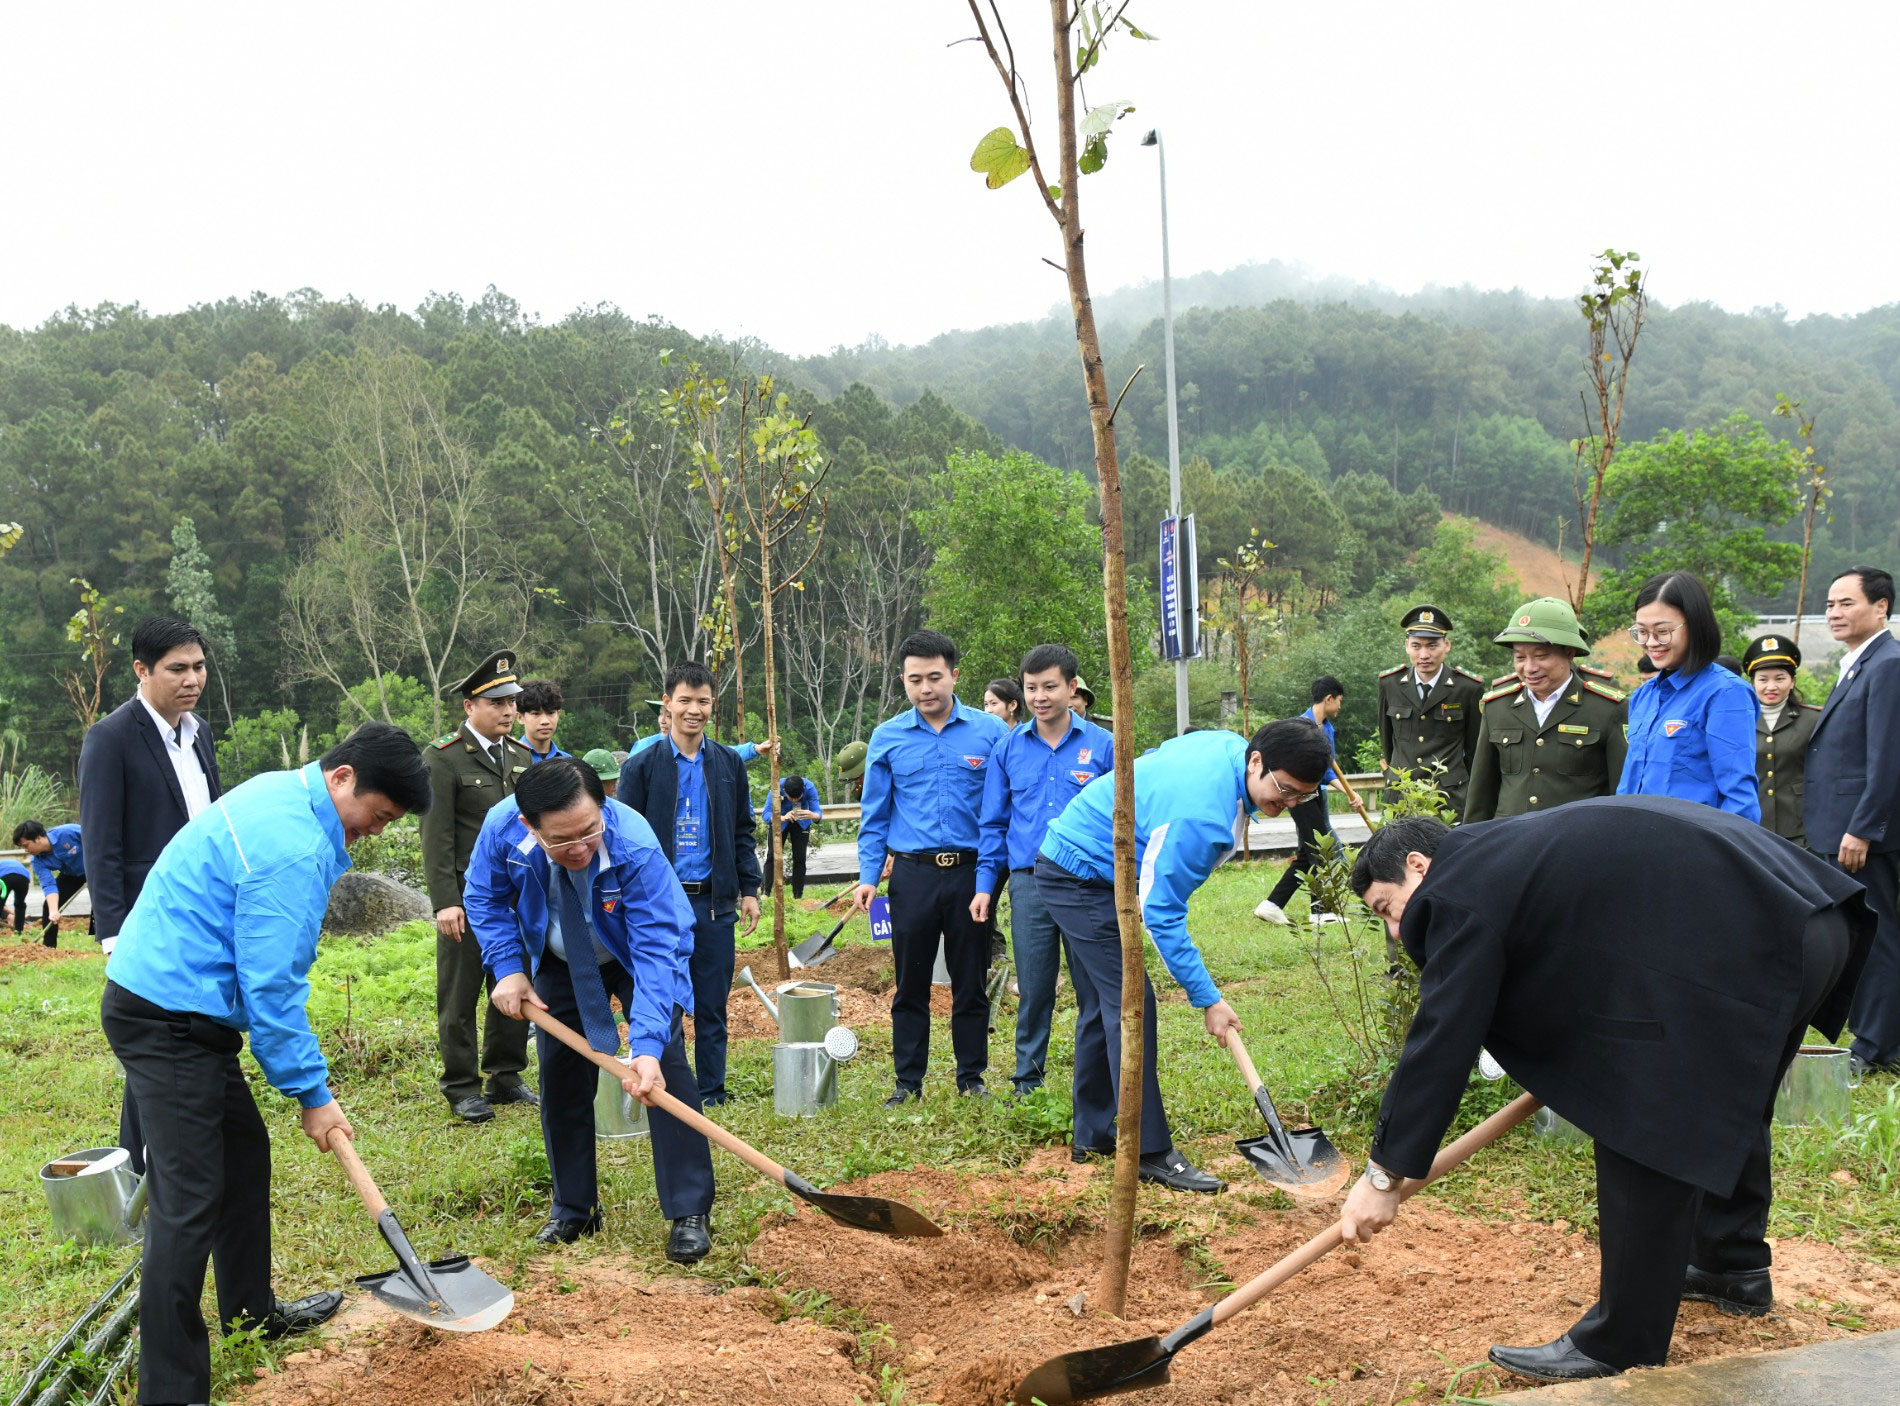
1781, 759
466, 783
1441, 728
1576, 754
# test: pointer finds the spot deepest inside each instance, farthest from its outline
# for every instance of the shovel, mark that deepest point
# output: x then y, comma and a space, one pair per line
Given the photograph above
816, 951
450, 1294
872, 1213
1142, 1363
1301, 1162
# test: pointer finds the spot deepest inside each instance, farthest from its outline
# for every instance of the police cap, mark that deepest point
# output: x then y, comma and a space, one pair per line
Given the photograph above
1771, 652
1426, 622
494, 677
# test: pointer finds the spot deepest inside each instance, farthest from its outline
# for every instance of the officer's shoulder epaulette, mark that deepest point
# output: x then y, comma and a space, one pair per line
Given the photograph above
442, 742
1501, 679
1604, 690
516, 743
1468, 674
1592, 671
1396, 668
1506, 691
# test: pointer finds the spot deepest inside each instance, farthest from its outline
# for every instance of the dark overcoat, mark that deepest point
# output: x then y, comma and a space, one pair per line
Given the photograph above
1634, 961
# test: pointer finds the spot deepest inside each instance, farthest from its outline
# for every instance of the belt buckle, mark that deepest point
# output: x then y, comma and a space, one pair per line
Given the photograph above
947, 859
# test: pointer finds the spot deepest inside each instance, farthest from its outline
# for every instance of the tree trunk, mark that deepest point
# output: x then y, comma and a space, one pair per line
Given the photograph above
771, 733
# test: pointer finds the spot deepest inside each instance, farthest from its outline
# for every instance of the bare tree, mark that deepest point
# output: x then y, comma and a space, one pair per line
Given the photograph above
1814, 489
1614, 307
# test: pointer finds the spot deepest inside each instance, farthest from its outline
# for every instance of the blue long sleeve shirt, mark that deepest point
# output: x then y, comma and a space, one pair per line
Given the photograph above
923, 789
1694, 737
1029, 784
692, 846
226, 926
1190, 794
67, 856
633, 901
809, 801
10, 868
554, 750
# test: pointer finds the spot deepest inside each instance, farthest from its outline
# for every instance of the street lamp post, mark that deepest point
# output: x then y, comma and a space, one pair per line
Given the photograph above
1182, 591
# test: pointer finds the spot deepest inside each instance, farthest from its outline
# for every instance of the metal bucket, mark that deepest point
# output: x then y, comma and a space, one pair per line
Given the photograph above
617, 1113
1554, 1127
1816, 1087
806, 1010
99, 1205
804, 1079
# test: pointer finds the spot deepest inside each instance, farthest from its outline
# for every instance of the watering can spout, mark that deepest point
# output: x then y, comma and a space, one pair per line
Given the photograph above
745, 975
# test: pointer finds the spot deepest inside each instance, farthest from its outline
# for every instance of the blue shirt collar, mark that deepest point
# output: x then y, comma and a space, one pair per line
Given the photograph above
958, 710
324, 809
680, 756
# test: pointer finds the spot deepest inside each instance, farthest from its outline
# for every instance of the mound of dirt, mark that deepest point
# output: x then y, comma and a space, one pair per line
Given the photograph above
30, 950
863, 975
585, 1335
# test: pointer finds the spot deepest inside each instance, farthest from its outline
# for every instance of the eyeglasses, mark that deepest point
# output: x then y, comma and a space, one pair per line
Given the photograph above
1660, 635
1291, 798
566, 845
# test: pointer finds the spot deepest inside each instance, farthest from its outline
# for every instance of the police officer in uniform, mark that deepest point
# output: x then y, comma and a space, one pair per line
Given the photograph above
1554, 733
1782, 730
850, 764
1428, 708
469, 770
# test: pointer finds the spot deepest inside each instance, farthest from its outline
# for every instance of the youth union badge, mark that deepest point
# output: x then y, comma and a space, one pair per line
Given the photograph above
1674, 725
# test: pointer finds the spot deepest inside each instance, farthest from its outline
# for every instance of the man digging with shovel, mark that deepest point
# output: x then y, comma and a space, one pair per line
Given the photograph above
1662, 1032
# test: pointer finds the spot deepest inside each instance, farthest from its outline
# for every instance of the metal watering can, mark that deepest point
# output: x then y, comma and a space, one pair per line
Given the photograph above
95, 1197
811, 1045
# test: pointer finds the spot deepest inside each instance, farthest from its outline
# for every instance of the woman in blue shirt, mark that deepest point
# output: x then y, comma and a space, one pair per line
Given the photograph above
1691, 727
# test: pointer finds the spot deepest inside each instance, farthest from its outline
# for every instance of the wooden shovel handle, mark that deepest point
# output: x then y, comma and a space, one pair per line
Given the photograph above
1238, 1049
1328, 1240
358, 1174
692, 1118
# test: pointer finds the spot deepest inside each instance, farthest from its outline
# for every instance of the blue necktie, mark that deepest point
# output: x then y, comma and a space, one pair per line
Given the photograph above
590, 994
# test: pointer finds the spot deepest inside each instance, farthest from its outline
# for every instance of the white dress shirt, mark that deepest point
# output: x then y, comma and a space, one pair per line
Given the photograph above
1544, 705
184, 757
1852, 657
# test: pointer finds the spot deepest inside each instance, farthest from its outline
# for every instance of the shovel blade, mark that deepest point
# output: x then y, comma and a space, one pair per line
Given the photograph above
466, 1300
1315, 1172
1135, 1365
816, 951
875, 1214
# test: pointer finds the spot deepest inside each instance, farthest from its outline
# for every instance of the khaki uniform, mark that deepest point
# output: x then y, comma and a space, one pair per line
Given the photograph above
1440, 729
1781, 759
467, 782
1520, 766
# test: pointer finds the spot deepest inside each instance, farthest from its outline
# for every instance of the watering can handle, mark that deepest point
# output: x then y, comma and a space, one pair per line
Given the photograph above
359, 1176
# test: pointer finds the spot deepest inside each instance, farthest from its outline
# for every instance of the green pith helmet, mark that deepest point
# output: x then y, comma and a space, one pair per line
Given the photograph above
603, 763
1546, 620
851, 760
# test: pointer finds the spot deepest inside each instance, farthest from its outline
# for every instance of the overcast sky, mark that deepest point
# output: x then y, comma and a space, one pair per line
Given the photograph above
799, 173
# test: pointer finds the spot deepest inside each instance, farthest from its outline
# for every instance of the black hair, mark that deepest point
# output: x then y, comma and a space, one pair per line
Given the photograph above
1009, 691
1326, 686
539, 696
692, 674
1729, 662
1382, 858
158, 635
927, 644
28, 830
387, 761
1045, 657
792, 786
555, 785
1295, 746
1685, 593
1875, 584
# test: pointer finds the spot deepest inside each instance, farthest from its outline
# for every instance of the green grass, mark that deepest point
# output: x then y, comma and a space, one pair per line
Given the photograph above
483, 1190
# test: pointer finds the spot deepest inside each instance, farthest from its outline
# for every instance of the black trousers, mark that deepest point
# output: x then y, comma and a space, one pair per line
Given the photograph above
1653, 1227
14, 886
710, 969
208, 1180
1875, 1017
65, 886
1310, 821
682, 1160
460, 983
928, 904
795, 836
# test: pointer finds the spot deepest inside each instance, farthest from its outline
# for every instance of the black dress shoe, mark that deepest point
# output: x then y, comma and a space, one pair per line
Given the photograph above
1559, 1361
690, 1240
473, 1109
561, 1230
1172, 1170
513, 1093
1081, 1154
301, 1315
973, 1091
902, 1097
1746, 1293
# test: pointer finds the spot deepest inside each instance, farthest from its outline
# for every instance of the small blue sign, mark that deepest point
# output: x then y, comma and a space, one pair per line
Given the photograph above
880, 919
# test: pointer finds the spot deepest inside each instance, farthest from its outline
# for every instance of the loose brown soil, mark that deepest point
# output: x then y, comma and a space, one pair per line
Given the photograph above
73, 943
863, 975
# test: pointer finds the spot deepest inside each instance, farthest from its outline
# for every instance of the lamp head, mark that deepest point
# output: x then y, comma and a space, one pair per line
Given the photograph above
1153, 138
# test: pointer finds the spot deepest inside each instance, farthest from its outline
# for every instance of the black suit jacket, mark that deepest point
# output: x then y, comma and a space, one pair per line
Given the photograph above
1853, 770
130, 804
649, 782
1634, 961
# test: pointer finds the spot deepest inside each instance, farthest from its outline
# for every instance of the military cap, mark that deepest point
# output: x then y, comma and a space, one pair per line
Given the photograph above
1427, 622
851, 760
1771, 652
1546, 620
603, 763
1087, 693
656, 703
494, 677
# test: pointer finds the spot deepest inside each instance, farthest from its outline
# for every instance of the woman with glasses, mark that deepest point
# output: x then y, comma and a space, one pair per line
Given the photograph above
1691, 728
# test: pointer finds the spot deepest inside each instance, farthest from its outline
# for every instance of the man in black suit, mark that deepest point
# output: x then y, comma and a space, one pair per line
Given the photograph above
1853, 786
1662, 1032
693, 792
145, 769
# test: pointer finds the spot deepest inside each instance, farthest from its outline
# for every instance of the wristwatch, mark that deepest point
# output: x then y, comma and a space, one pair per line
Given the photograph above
1380, 1178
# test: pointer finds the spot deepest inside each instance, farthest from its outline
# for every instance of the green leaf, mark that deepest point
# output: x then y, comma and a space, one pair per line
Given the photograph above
1101, 118
1055, 192
1000, 158
1094, 155
1129, 25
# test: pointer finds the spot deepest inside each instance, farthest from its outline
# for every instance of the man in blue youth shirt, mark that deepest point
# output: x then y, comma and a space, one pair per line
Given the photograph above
1309, 822
58, 858
539, 709
575, 889
1033, 775
923, 794
219, 942
693, 792
1192, 795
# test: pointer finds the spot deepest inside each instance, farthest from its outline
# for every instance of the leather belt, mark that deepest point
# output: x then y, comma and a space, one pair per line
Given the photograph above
941, 858
696, 887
